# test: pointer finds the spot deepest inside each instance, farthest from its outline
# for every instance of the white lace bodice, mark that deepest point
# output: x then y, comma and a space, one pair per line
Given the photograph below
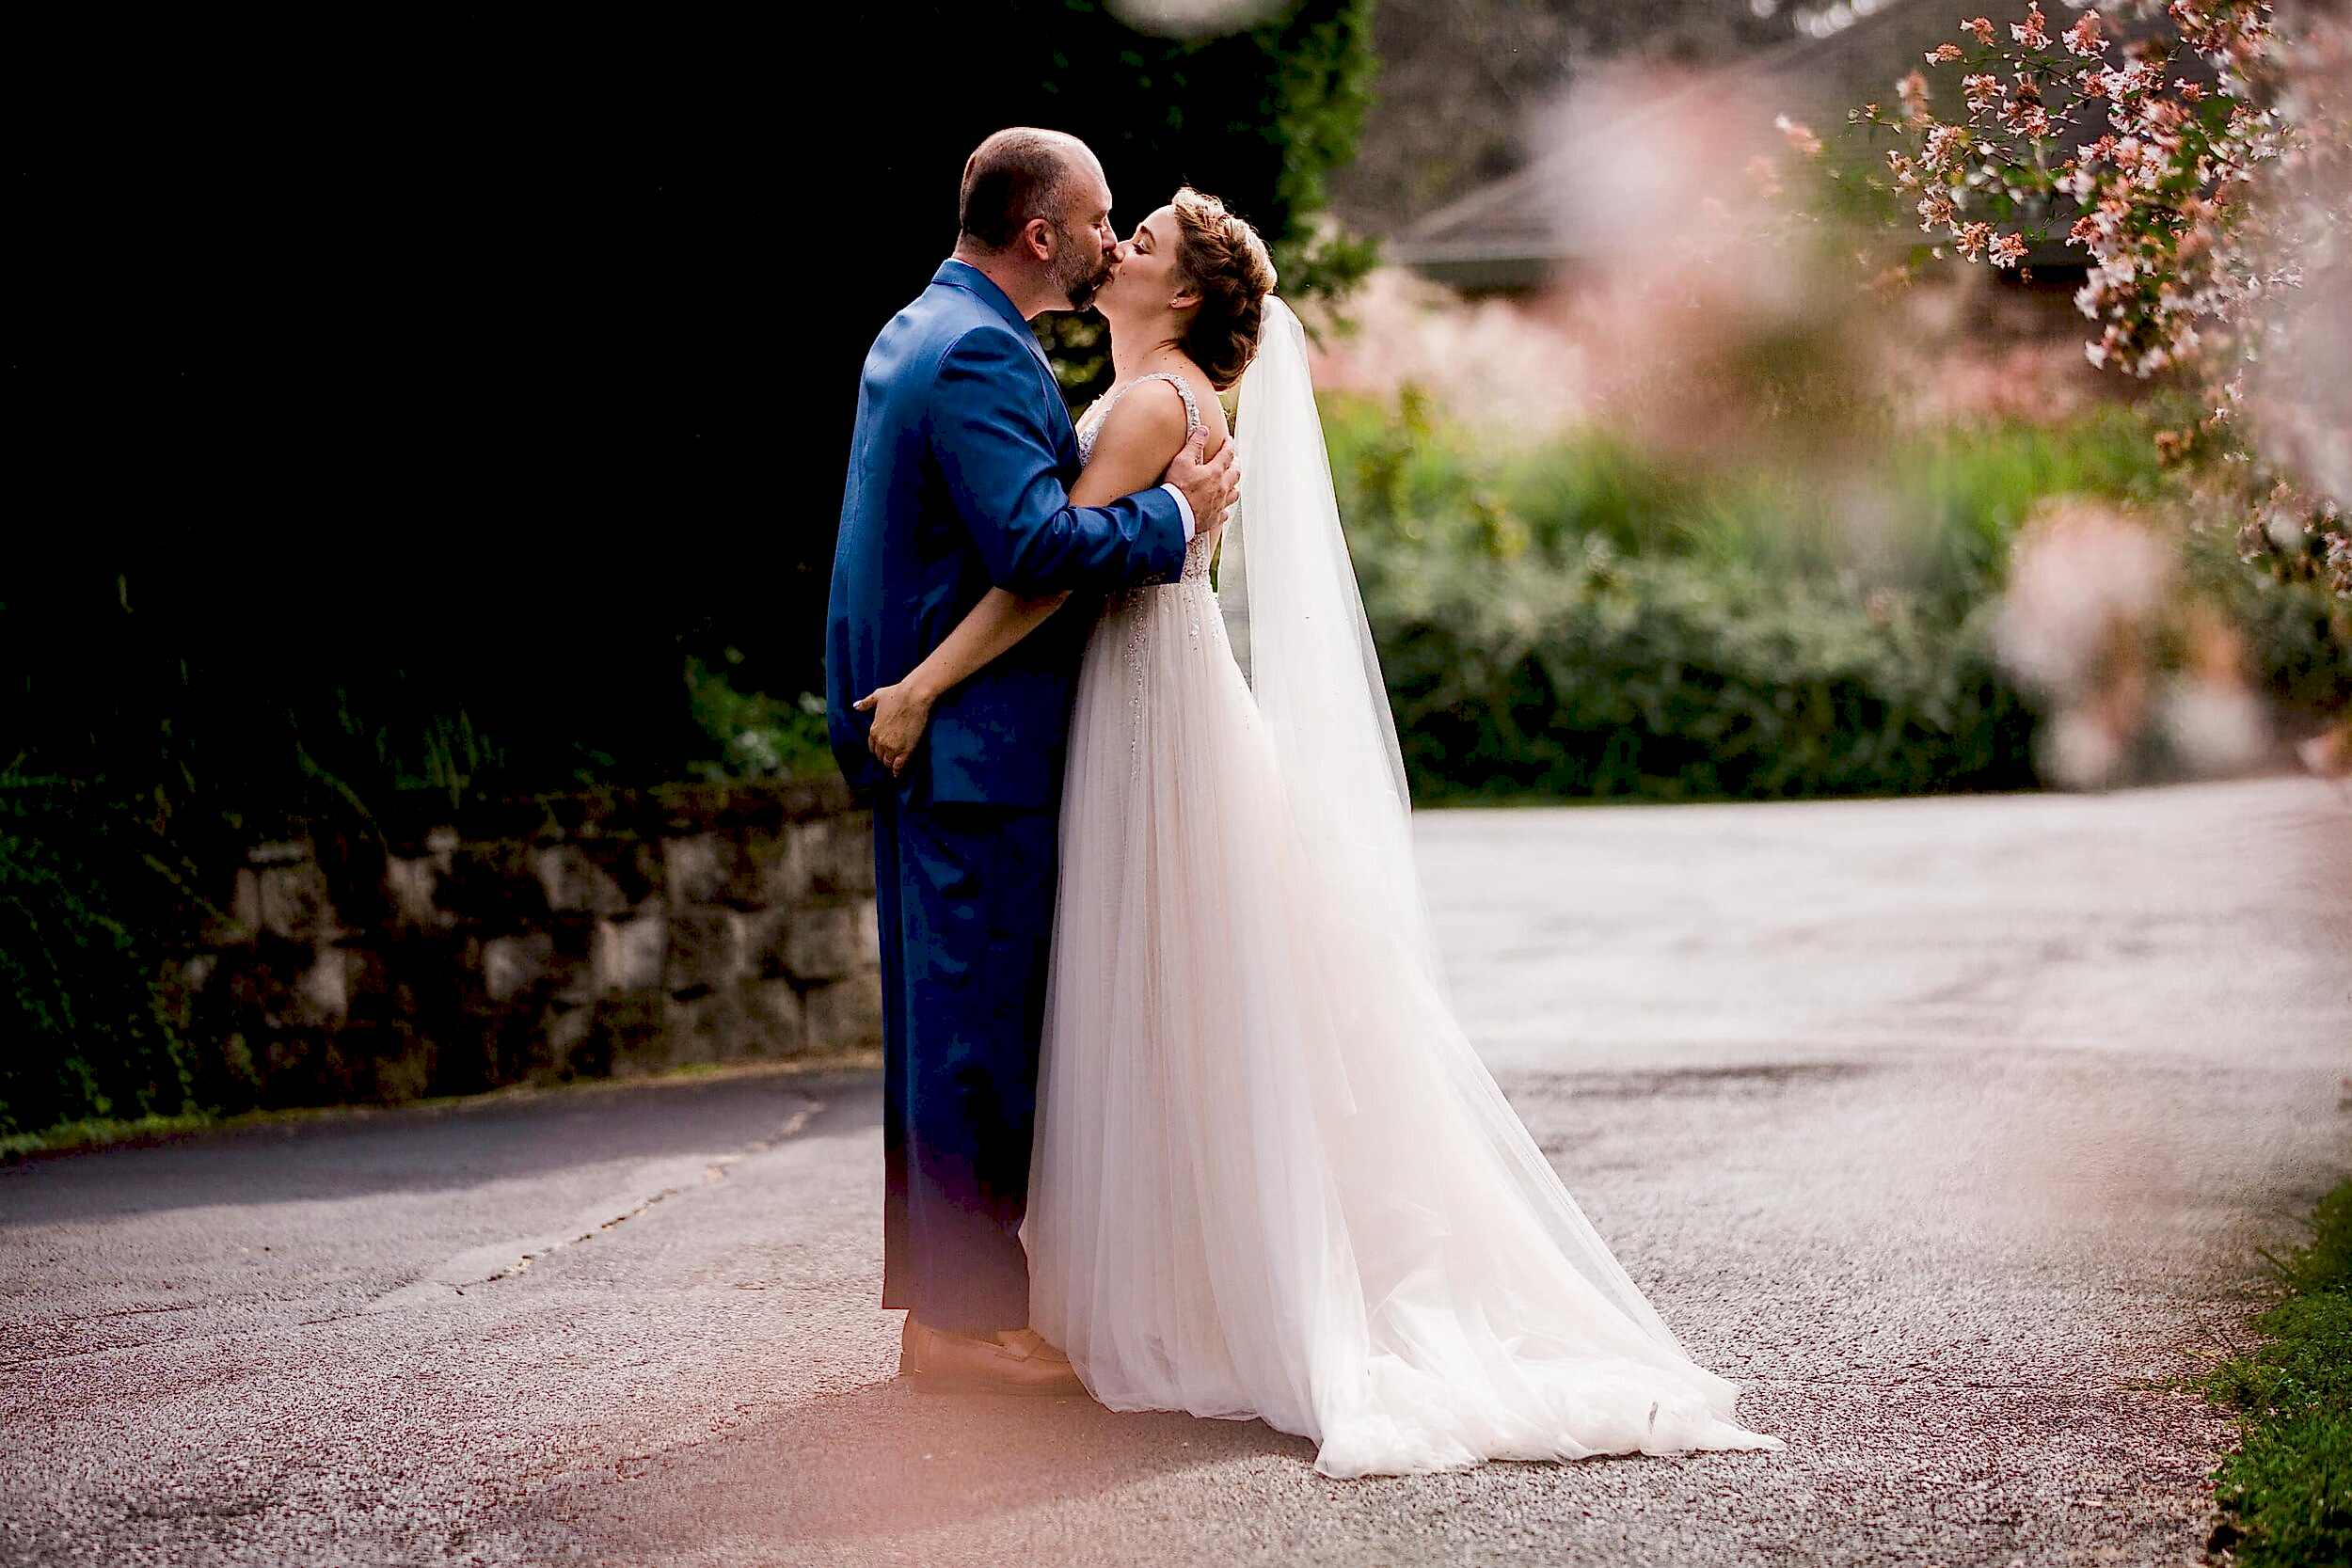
1204, 545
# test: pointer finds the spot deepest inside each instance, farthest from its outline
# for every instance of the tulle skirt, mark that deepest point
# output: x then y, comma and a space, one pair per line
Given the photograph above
1256, 1191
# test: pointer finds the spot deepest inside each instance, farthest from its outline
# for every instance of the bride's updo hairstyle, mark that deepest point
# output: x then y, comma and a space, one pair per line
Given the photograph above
1221, 255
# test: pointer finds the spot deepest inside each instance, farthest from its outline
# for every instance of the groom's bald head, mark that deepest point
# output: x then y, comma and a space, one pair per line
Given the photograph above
1017, 175
1034, 212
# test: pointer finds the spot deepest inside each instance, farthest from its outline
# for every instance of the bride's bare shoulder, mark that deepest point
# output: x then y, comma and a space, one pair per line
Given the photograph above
1146, 425
1153, 417
1146, 408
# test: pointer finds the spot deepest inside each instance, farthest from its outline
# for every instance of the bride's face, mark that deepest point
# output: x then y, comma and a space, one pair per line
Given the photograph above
1148, 282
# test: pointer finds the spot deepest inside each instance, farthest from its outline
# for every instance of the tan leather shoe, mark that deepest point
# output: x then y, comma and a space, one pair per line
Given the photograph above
1039, 1346
941, 1360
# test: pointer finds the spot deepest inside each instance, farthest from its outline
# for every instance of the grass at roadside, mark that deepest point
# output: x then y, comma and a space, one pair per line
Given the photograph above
2286, 1495
76, 1136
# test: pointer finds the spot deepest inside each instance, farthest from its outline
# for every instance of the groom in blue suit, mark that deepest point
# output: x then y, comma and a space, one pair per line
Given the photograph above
960, 469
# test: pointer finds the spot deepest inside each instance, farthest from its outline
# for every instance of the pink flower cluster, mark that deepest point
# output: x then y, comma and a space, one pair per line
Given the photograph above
2169, 188
2154, 192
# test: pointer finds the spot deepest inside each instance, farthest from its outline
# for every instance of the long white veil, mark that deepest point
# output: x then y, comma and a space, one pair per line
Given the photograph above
1286, 590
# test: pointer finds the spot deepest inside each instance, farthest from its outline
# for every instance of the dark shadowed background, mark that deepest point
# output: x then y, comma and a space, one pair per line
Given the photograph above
522, 369
431, 407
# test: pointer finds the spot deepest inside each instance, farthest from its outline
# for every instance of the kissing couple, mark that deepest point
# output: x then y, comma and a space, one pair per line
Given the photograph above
1178, 1113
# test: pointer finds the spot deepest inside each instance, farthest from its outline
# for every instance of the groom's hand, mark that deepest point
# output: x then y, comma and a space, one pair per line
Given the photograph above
1210, 487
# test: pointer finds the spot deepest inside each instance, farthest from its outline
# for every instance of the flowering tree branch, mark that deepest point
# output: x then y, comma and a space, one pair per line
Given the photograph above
2180, 193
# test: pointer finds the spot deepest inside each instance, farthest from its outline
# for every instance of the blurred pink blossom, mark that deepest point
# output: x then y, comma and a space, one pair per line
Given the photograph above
2081, 576
2094, 600
1510, 368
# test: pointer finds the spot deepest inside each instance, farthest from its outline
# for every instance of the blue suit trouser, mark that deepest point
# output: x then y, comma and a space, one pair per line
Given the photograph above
964, 902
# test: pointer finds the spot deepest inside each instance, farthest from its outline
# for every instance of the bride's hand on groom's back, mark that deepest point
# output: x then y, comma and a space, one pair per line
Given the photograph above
899, 717
1210, 486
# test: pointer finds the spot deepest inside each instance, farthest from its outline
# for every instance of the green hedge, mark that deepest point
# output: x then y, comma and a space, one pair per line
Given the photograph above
1672, 680
1574, 619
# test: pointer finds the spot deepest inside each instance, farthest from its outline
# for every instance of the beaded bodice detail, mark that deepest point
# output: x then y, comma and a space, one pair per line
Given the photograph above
1202, 548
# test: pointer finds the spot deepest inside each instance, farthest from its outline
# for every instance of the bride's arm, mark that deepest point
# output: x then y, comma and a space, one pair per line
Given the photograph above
901, 710
1123, 463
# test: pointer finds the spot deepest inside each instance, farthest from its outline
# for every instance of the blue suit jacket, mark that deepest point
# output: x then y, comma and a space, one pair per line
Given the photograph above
960, 469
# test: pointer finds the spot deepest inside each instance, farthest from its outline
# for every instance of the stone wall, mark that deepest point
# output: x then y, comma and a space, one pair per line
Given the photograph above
554, 937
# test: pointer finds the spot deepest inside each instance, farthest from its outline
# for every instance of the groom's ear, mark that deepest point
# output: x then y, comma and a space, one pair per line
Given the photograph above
1037, 236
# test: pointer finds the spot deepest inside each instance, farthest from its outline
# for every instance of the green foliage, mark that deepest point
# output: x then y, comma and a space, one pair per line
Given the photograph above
1261, 119
1945, 504
1672, 679
753, 733
2287, 1493
2298, 632
1319, 88
88, 1035
1577, 619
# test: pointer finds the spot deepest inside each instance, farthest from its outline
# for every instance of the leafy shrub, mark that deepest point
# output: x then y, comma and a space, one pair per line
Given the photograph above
1577, 619
2297, 631
91, 1035
1671, 679
752, 732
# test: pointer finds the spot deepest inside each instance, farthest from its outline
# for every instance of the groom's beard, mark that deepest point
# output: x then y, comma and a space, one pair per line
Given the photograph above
1082, 289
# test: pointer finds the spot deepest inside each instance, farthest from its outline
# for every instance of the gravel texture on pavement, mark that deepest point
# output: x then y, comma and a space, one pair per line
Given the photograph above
1949, 1128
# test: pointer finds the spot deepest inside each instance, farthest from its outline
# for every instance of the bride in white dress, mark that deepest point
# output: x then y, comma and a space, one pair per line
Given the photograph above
1271, 1176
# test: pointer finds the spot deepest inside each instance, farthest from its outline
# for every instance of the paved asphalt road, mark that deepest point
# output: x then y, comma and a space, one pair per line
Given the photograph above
1949, 1127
